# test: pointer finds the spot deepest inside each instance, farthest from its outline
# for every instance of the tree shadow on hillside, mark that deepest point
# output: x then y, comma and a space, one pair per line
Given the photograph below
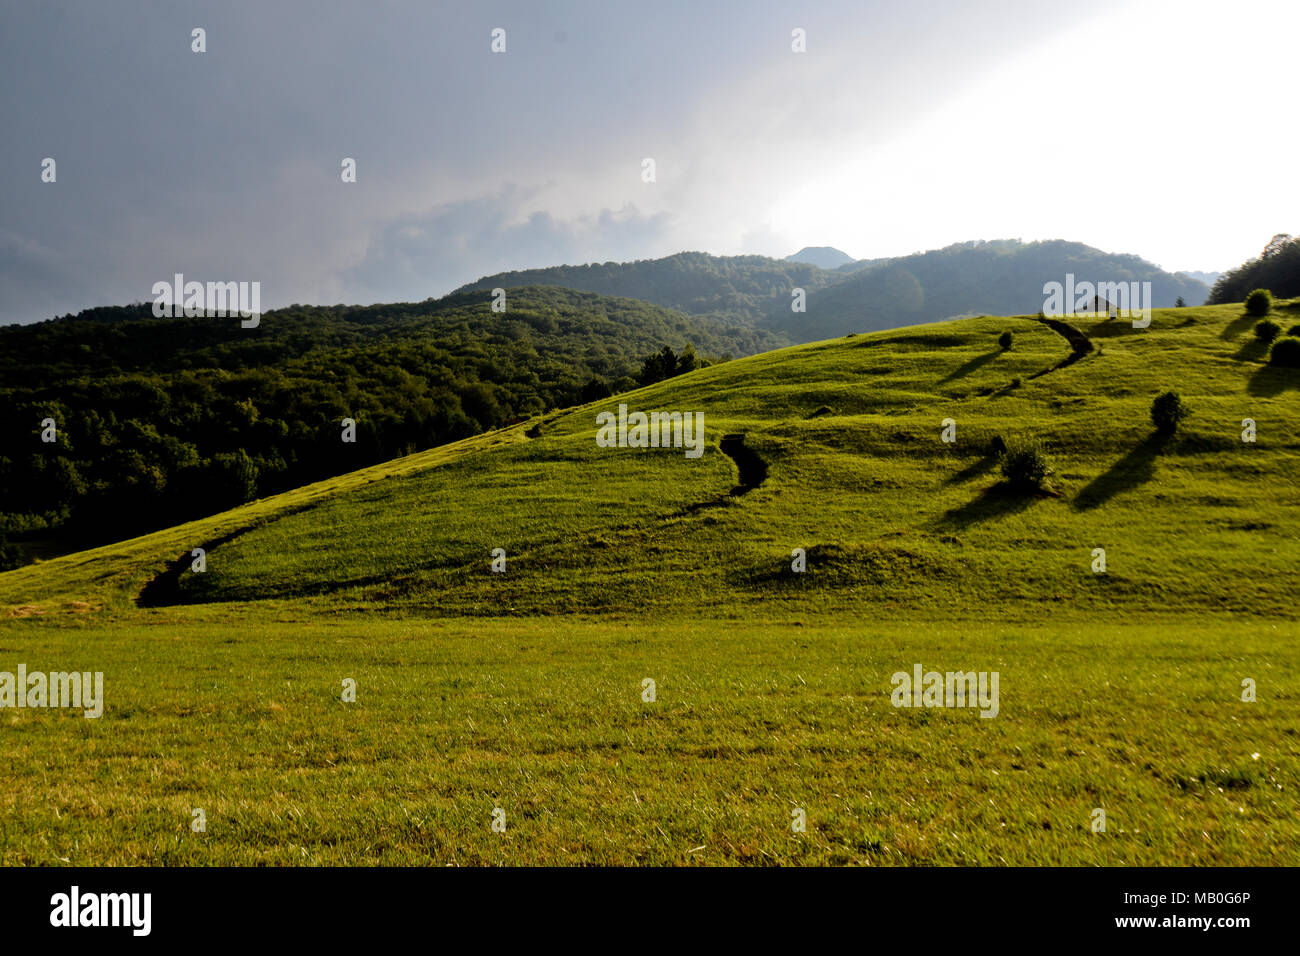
1134, 469
1270, 380
1238, 325
981, 466
1000, 501
973, 365
1252, 351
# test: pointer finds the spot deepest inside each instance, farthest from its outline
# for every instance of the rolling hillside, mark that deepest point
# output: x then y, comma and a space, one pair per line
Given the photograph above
525, 690
849, 431
162, 420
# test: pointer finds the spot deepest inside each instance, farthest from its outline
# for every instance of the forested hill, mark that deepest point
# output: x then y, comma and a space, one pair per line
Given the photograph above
999, 277
159, 420
1002, 277
1277, 269
740, 288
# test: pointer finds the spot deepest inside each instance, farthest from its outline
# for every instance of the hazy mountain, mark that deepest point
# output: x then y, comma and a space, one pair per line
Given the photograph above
1209, 278
1000, 277
823, 257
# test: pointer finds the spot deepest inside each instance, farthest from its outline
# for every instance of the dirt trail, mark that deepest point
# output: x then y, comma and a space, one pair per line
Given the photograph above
1080, 344
752, 468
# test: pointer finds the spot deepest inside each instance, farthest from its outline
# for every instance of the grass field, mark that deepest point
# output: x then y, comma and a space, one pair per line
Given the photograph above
523, 690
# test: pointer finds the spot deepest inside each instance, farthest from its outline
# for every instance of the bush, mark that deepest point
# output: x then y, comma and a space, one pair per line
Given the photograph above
1259, 302
998, 446
1266, 330
1294, 330
1004, 341
1025, 466
1167, 411
1285, 353
10, 556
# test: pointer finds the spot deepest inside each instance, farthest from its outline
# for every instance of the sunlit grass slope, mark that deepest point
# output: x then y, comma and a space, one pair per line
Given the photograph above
890, 516
523, 690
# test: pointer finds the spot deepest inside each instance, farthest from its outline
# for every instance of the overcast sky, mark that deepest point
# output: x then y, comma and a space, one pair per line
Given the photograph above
1164, 128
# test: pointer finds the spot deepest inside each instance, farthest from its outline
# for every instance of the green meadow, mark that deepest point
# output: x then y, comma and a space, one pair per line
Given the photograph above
523, 691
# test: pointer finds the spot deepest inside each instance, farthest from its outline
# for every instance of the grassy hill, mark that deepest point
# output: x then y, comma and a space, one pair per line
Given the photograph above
523, 690
163, 420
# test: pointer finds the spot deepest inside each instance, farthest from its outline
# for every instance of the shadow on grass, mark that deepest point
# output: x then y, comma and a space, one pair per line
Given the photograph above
1134, 469
1238, 325
1000, 501
974, 364
1252, 351
1270, 380
975, 469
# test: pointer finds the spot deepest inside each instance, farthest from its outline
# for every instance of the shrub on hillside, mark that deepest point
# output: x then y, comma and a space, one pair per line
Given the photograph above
1259, 302
1285, 352
1266, 330
1004, 341
998, 446
1167, 411
1025, 466
1294, 330
10, 556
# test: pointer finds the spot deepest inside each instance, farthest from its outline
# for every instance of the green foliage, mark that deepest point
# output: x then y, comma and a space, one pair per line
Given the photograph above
666, 364
1259, 302
1277, 269
1285, 352
1167, 411
1025, 465
10, 555
1266, 330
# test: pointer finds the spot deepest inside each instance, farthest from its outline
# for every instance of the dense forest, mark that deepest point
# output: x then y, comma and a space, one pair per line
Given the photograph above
1002, 277
739, 288
156, 421
1277, 269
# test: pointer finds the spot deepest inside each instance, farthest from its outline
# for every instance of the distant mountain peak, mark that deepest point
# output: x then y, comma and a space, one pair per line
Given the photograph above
824, 257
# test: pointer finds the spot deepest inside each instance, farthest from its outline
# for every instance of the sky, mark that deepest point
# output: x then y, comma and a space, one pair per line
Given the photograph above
1154, 127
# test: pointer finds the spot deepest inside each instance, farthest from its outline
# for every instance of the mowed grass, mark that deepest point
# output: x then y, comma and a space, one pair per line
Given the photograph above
241, 716
522, 690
